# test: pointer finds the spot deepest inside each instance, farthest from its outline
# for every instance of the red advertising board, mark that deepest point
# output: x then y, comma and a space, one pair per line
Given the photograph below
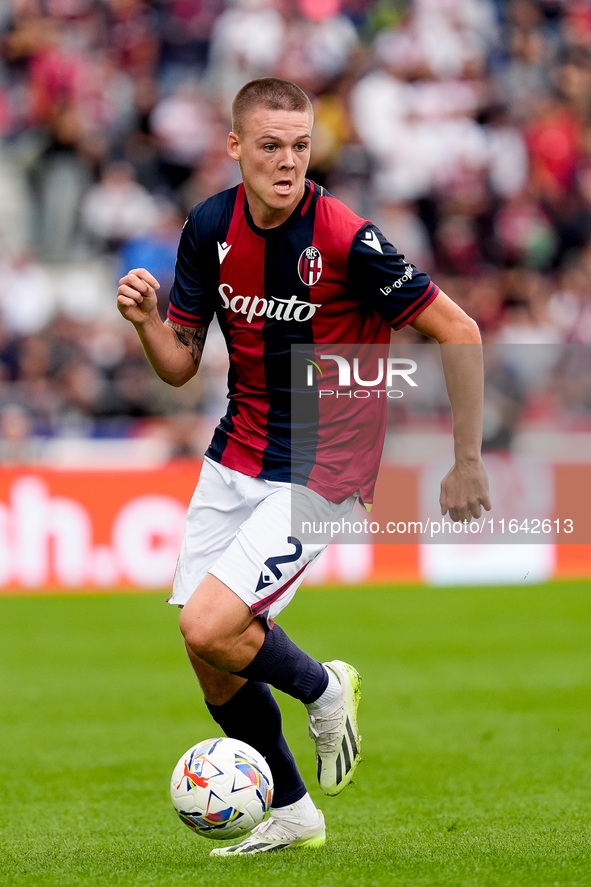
114, 529
92, 529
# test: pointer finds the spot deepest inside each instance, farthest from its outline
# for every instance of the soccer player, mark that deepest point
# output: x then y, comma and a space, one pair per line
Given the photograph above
281, 262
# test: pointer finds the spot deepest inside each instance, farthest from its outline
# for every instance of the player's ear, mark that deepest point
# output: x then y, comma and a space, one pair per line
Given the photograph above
233, 146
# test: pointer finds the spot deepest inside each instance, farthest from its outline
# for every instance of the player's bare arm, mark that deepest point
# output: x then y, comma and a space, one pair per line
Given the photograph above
173, 350
189, 337
464, 490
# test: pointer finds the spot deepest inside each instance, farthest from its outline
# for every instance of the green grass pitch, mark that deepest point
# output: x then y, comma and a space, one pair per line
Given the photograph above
476, 717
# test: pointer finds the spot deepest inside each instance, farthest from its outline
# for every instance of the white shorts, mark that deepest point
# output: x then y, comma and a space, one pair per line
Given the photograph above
238, 528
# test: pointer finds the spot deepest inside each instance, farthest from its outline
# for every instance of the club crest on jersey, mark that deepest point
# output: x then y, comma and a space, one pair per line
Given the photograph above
310, 266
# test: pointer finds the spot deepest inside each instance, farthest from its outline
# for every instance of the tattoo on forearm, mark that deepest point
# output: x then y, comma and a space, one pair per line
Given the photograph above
188, 337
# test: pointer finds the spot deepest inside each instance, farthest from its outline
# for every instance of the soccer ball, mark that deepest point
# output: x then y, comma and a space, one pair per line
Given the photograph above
221, 788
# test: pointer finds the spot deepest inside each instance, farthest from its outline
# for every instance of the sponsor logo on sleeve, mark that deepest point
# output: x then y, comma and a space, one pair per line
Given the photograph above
370, 238
398, 284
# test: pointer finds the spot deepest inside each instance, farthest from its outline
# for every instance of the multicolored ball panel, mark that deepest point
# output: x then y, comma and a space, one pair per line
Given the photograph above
222, 788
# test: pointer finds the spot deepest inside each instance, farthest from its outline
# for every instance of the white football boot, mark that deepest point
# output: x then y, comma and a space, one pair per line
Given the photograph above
277, 834
335, 731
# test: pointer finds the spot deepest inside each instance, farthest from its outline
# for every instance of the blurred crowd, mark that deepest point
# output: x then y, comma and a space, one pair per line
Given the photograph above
461, 127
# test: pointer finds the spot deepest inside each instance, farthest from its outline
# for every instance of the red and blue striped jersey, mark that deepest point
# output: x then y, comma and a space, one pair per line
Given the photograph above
325, 276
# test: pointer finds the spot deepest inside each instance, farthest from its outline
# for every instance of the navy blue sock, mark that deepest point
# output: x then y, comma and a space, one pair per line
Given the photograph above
253, 716
282, 664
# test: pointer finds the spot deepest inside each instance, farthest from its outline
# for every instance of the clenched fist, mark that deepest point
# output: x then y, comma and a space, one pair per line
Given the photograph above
136, 296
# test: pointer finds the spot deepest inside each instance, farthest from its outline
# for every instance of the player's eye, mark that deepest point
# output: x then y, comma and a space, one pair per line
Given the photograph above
302, 146
269, 148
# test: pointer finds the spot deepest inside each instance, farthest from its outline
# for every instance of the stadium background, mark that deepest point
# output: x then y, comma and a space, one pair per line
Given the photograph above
461, 127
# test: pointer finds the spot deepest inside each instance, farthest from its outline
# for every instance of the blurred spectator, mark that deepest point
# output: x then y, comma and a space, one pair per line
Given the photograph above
156, 250
527, 318
131, 34
215, 173
318, 42
553, 136
526, 72
524, 232
570, 306
17, 442
27, 301
246, 42
403, 226
505, 395
506, 152
117, 208
576, 26
185, 29
182, 124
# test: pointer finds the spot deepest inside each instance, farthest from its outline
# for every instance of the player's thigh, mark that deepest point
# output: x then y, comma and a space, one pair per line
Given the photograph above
216, 511
266, 562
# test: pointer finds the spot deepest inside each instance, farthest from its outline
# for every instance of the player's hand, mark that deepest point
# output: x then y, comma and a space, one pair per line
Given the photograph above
464, 491
136, 296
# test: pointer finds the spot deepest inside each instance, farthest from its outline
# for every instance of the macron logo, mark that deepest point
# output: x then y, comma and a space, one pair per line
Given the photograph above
370, 238
223, 250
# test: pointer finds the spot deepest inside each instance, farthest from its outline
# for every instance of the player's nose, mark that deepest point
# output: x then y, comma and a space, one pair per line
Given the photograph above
286, 160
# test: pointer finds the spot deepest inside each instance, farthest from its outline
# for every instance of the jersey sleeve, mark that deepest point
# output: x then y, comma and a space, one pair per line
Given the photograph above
190, 302
384, 279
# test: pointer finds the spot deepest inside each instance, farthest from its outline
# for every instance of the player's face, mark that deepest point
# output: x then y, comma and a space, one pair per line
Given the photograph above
273, 150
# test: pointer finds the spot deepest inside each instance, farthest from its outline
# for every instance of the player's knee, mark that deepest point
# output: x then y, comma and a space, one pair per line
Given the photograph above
205, 639
213, 622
